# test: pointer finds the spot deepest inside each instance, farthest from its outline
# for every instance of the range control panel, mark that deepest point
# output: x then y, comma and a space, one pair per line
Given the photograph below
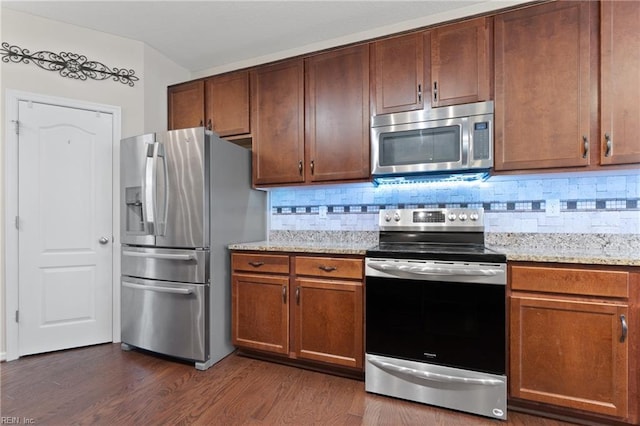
459, 219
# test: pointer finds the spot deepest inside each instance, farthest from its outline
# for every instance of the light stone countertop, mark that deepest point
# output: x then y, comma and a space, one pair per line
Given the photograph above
592, 249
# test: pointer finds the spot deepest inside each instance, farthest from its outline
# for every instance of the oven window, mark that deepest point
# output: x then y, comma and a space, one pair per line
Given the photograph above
420, 146
453, 324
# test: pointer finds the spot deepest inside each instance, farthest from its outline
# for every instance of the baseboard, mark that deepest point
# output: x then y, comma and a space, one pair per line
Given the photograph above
3, 356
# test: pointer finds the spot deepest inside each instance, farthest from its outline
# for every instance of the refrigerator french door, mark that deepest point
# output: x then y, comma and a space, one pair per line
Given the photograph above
176, 187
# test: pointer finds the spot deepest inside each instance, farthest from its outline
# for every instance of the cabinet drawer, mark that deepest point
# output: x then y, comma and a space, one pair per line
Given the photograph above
586, 282
269, 263
329, 267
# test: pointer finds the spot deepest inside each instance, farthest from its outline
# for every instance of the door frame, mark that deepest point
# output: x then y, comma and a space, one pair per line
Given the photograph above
11, 304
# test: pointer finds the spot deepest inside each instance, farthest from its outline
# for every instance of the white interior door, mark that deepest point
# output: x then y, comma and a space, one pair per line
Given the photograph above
65, 227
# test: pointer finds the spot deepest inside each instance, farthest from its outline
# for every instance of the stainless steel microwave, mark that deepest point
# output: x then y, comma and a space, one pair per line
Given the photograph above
447, 140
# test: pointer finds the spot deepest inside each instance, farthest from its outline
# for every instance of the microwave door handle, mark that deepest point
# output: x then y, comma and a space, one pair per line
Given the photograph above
148, 190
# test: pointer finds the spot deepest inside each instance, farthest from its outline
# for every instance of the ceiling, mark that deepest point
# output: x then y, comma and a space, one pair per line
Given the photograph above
205, 35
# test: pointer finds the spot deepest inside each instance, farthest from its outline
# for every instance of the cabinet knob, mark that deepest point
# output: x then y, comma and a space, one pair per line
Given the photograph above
313, 166
435, 90
585, 142
327, 268
284, 294
209, 125
298, 295
300, 167
625, 328
609, 144
419, 93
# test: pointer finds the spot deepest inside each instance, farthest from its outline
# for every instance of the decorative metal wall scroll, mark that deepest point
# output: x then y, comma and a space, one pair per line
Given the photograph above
72, 65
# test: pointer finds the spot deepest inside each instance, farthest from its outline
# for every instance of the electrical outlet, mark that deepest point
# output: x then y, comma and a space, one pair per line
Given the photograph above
322, 212
552, 207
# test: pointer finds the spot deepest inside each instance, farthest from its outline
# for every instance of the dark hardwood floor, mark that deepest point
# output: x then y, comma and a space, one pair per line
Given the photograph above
103, 385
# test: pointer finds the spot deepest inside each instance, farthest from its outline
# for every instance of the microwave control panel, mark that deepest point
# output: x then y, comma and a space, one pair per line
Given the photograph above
481, 140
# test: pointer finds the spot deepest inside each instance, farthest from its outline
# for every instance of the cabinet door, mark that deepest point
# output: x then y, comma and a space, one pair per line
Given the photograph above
186, 105
337, 106
460, 62
569, 353
260, 312
542, 86
277, 93
620, 79
227, 103
399, 73
328, 321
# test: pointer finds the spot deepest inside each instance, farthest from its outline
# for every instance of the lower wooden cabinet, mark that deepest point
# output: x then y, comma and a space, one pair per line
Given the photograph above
304, 307
574, 338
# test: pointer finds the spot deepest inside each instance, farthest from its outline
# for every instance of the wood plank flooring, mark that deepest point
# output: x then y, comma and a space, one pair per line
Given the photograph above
103, 385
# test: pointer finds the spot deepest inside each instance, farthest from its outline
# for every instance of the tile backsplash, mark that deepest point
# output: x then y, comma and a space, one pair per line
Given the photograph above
581, 203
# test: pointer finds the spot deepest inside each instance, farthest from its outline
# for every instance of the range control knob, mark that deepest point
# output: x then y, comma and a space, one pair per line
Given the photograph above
396, 216
387, 217
474, 216
452, 217
462, 216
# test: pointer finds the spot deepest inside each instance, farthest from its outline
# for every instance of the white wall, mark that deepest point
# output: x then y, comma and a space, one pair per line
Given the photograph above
143, 106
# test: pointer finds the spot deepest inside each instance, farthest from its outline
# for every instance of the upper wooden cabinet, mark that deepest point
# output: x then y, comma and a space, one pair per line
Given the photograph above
542, 86
461, 62
398, 69
337, 115
448, 65
278, 123
221, 103
186, 105
620, 82
227, 104
312, 126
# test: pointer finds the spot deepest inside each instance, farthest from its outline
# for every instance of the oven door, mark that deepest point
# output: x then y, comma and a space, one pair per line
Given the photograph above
445, 313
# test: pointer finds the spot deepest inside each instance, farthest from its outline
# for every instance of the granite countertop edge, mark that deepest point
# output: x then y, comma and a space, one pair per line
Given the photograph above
520, 255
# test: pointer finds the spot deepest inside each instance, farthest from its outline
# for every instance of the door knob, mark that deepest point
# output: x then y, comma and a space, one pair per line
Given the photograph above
103, 240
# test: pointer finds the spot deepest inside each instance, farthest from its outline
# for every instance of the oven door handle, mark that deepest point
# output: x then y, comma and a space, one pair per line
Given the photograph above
431, 377
429, 270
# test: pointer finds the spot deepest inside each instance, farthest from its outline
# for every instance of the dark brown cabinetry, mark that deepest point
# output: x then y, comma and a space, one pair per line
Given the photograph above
186, 105
227, 104
398, 71
278, 123
337, 115
543, 86
572, 334
220, 102
448, 65
313, 314
620, 82
259, 302
312, 126
461, 59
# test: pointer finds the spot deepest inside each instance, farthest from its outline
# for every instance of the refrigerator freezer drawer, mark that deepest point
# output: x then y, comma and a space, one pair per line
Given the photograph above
181, 265
168, 318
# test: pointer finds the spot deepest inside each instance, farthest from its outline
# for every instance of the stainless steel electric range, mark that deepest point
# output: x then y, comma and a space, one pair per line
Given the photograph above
435, 312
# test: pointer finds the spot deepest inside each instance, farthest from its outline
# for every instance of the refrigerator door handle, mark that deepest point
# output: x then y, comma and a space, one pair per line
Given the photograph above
161, 220
149, 189
164, 256
157, 289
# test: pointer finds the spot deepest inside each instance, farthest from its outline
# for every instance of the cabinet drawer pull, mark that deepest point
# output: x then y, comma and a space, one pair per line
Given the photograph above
607, 137
625, 328
300, 167
256, 264
313, 166
327, 268
298, 295
284, 294
419, 93
585, 151
435, 90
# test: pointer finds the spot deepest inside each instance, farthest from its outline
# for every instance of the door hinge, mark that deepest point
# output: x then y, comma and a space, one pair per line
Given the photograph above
17, 124
18, 223
17, 316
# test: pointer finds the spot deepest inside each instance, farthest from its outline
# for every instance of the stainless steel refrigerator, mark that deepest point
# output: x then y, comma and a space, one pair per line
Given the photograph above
185, 195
